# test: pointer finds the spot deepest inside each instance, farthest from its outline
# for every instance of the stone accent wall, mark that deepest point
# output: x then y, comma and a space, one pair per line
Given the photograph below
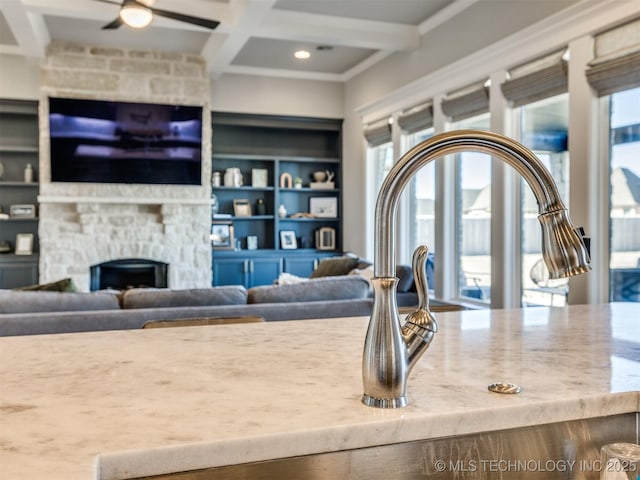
82, 224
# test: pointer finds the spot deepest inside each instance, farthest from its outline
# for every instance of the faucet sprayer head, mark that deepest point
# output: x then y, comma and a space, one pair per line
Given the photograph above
565, 248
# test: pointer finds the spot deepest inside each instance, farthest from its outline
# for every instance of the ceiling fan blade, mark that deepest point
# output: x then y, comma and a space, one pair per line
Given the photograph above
202, 22
113, 25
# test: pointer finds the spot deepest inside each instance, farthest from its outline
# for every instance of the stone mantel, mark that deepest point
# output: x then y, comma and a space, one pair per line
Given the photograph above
123, 200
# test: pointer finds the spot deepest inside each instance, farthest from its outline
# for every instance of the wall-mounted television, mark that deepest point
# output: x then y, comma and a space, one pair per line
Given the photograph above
102, 141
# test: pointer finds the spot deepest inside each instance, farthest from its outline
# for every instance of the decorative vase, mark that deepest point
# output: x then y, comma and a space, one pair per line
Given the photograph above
28, 173
319, 176
233, 177
260, 207
282, 211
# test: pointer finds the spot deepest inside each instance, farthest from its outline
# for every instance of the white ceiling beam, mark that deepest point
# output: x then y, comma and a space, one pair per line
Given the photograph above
28, 28
337, 31
280, 73
444, 15
218, 52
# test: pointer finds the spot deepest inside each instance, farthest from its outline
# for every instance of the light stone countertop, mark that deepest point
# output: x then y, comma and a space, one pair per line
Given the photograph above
119, 404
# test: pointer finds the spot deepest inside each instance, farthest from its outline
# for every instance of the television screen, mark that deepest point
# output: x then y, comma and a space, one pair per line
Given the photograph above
121, 142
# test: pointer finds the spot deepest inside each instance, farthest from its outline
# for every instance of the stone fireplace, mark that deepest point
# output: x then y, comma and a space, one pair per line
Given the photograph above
86, 224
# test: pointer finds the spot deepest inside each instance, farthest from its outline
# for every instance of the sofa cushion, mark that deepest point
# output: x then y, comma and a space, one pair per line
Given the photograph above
319, 289
15, 301
334, 266
164, 298
405, 277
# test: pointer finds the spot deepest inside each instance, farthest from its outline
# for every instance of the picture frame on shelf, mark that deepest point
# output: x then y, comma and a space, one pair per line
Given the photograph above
241, 207
22, 211
222, 236
326, 238
24, 244
288, 240
259, 177
323, 207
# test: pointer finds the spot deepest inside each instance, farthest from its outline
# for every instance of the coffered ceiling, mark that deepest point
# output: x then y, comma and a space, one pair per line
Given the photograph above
254, 36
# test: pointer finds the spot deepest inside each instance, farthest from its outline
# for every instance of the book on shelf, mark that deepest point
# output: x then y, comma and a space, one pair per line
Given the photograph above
322, 185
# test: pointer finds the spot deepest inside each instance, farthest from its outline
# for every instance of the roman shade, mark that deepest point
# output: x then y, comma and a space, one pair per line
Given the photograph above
466, 102
616, 63
541, 78
416, 118
378, 132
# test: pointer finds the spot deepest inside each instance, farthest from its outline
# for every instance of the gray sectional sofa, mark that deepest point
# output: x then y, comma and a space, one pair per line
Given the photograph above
328, 293
42, 312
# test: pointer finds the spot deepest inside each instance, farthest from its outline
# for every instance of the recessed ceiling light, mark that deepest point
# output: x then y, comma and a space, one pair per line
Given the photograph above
302, 54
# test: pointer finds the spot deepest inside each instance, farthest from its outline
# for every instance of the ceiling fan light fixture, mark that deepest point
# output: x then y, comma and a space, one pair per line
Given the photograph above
135, 15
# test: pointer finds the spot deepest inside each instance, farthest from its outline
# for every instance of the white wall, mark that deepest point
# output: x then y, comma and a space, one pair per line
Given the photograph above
277, 96
20, 79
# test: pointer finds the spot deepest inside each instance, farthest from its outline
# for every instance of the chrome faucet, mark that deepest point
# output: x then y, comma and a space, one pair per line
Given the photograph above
391, 349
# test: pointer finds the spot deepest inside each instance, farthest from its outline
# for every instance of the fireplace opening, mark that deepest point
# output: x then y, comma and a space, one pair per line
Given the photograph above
129, 273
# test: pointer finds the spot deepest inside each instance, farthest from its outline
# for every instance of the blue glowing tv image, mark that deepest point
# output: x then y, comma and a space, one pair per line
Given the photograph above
102, 141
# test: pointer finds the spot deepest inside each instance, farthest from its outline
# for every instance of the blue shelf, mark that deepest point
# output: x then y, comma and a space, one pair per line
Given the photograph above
249, 219
316, 219
243, 189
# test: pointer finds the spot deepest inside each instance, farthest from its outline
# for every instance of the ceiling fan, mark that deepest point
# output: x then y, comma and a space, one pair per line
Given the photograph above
138, 15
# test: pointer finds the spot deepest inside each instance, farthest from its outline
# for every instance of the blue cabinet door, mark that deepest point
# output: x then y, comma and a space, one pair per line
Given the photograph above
18, 273
263, 271
230, 271
300, 266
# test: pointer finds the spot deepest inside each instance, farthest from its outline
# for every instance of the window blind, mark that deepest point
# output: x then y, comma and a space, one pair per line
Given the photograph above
616, 63
378, 132
416, 118
541, 78
466, 102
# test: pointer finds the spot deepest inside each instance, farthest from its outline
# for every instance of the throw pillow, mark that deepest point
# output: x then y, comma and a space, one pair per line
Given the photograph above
334, 266
366, 273
288, 279
64, 285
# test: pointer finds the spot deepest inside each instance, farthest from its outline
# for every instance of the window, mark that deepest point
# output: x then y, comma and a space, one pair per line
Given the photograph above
382, 158
474, 218
624, 213
420, 202
543, 129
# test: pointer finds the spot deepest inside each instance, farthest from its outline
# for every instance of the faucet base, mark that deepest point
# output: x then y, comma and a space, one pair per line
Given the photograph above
398, 402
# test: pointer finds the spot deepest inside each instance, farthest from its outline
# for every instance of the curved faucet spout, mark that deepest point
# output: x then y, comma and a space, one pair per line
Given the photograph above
386, 360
